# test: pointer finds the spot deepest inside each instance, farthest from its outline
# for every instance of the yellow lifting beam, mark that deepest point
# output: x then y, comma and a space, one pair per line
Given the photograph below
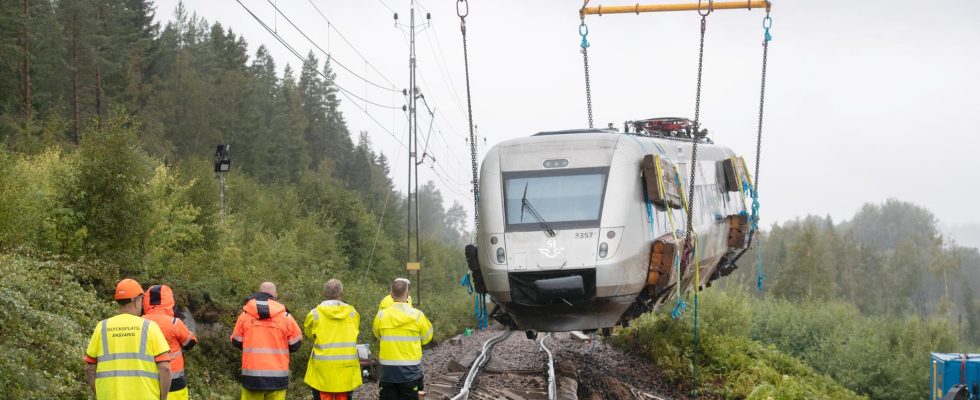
644, 8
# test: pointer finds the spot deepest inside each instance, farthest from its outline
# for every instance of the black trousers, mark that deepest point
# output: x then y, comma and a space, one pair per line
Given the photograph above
400, 391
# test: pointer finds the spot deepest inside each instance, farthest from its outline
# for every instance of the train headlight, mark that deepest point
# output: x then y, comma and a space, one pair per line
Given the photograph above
603, 250
501, 256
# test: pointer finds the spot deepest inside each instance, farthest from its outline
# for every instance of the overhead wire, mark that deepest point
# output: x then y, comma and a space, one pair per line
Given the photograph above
326, 53
331, 25
348, 94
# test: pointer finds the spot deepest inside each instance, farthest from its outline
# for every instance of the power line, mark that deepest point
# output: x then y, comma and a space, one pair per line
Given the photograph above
386, 6
444, 70
342, 91
330, 25
326, 53
303, 59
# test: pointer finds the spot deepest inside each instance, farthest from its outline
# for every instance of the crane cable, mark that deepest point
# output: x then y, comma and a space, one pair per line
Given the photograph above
690, 245
583, 31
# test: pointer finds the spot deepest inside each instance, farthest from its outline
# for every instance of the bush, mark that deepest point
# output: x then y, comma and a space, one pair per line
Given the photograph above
46, 320
730, 364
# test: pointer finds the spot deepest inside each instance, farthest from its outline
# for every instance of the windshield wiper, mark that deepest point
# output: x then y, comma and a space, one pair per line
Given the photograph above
525, 204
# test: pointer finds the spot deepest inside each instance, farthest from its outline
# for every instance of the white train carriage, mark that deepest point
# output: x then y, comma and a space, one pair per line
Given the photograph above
565, 236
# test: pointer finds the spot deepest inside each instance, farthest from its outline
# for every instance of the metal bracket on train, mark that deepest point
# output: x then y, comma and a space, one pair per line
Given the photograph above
654, 166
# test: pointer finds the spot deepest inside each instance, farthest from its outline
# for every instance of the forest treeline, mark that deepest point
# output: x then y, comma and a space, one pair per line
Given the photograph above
109, 123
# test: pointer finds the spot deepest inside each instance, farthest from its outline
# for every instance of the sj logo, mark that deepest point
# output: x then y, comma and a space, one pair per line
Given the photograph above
551, 249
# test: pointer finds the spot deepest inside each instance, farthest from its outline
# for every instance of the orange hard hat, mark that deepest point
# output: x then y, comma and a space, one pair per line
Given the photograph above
127, 289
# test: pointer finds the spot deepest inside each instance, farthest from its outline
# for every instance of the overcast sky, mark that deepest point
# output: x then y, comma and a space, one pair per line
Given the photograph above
866, 100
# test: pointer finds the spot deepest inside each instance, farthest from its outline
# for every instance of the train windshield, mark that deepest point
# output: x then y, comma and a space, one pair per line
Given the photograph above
560, 199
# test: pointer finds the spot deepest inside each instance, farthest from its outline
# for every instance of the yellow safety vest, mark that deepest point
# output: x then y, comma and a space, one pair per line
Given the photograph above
403, 330
126, 349
333, 366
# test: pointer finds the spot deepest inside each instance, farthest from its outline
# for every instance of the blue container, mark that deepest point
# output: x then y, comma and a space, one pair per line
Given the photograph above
948, 370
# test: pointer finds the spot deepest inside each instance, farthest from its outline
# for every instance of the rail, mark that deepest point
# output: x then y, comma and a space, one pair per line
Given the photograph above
552, 382
478, 364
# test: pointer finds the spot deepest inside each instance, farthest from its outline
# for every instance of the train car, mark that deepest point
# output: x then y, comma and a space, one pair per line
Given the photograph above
570, 237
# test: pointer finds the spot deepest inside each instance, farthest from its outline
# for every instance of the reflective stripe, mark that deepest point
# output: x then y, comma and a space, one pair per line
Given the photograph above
176, 375
143, 335
105, 337
262, 302
127, 373
238, 338
427, 334
400, 362
335, 358
399, 338
265, 373
316, 315
187, 341
325, 346
295, 340
417, 315
380, 315
175, 354
352, 313
126, 356
264, 350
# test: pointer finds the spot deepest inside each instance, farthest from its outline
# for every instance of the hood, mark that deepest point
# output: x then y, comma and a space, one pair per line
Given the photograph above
388, 301
399, 314
159, 299
263, 308
335, 309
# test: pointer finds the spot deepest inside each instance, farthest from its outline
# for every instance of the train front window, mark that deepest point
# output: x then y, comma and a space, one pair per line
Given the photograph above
561, 199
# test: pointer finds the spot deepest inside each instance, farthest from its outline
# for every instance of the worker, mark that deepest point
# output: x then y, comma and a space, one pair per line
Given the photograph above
402, 330
159, 307
128, 357
387, 301
266, 333
334, 370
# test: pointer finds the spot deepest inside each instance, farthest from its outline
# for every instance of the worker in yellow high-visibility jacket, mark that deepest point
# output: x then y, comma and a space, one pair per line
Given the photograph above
403, 330
334, 370
128, 357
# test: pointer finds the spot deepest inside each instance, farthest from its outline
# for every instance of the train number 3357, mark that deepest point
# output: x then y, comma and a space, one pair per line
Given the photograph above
584, 235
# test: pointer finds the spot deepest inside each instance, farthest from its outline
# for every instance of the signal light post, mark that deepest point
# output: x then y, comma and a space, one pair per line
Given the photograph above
222, 164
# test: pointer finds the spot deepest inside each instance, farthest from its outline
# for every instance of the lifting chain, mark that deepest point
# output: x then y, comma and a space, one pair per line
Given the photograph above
766, 24
689, 244
583, 30
463, 10
697, 129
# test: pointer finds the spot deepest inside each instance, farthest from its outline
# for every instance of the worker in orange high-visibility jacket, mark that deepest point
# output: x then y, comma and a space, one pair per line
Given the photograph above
334, 370
402, 330
266, 333
159, 306
127, 356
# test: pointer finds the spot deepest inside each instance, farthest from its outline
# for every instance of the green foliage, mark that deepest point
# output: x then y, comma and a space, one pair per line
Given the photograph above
730, 364
105, 193
46, 320
752, 348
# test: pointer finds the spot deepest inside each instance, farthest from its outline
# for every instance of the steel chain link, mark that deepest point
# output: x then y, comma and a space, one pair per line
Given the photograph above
469, 108
688, 244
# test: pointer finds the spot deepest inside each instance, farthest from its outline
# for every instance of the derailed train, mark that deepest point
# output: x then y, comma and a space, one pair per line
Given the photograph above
583, 229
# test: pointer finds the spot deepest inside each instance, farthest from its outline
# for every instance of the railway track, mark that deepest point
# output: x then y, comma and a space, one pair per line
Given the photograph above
533, 376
